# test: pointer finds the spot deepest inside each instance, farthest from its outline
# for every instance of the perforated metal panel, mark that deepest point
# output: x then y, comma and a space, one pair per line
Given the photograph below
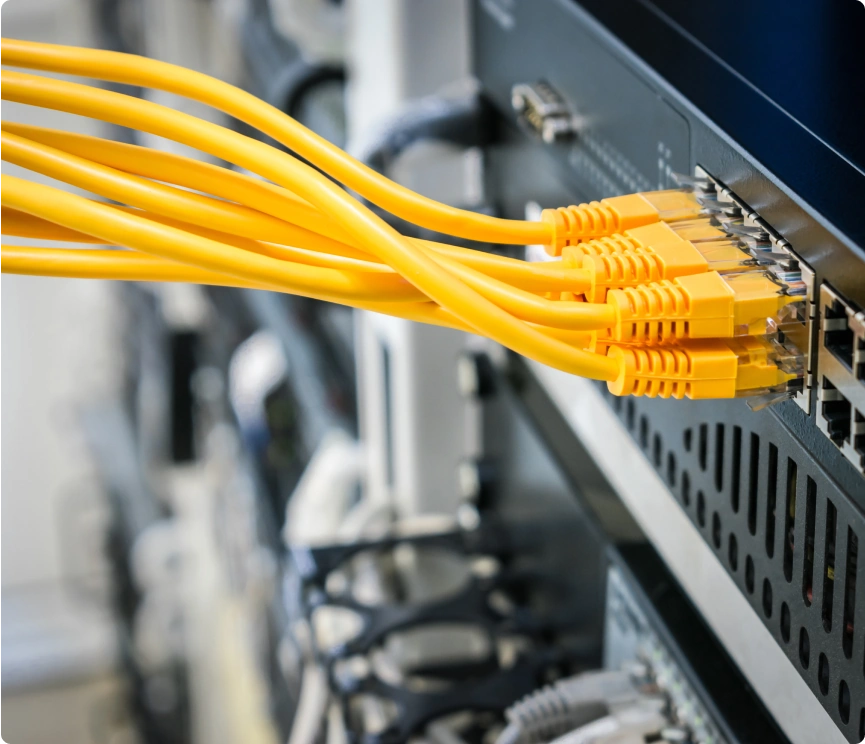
782, 528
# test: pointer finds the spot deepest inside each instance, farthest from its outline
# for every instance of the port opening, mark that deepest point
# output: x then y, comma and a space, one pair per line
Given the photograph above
838, 337
837, 412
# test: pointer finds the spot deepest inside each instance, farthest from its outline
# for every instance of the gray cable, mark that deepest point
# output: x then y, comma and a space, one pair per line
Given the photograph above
457, 121
566, 705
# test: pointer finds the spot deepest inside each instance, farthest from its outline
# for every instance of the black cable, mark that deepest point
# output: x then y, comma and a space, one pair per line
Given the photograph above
457, 121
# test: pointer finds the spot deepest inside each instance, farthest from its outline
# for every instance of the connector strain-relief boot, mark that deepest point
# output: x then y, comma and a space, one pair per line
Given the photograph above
650, 313
606, 246
701, 369
655, 372
572, 224
621, 270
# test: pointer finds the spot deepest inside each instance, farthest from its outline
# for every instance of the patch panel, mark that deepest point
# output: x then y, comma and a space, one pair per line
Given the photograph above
798, 329
841, 363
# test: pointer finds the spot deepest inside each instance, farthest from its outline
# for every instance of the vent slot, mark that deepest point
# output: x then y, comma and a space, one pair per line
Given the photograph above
829, 565
771, 490
671, 469
850, 593
844, 701
736, 469
704, 446
823, 673
733, 552
790, 518
808, 547
719, 457
804, 649
753, 480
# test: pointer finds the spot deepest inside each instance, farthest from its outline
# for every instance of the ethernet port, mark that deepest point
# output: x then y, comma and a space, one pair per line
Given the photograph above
837, 335
837, 412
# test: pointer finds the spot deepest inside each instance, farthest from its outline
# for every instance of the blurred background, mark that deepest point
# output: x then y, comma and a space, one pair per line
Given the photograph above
166, 448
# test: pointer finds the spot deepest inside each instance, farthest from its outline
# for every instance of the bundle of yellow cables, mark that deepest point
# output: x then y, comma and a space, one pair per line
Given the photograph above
292, 230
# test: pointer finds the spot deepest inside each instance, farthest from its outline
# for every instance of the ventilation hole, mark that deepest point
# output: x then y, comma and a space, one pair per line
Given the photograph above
749, 574
617, 403
862, 724
716, 530
733, 552
785, 622
644, 432
829, 565
657, 453
808, 547
719, 457
804, 648
823, 673
753, 476
767, 598
771, 490
844, 702
688, 439
850, 592
686, 489
704, 446
790, 518
630, 414
701, 509
671, 469
736, 470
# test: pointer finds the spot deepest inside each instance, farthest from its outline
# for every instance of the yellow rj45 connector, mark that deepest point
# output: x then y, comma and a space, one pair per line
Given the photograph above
708, 368
652, 253
707, 305
572, 224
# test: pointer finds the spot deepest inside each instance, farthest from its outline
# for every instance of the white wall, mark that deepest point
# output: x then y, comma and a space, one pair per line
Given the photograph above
58, 351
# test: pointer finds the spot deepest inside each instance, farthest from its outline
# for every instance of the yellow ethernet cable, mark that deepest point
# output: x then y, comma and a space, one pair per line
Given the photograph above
123, 265
129, 230
226, 217
275, 201
708, 368
675, 307
558, 228
169, 201
123, 228
126, 265
22, 225
188, 173
527, 276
